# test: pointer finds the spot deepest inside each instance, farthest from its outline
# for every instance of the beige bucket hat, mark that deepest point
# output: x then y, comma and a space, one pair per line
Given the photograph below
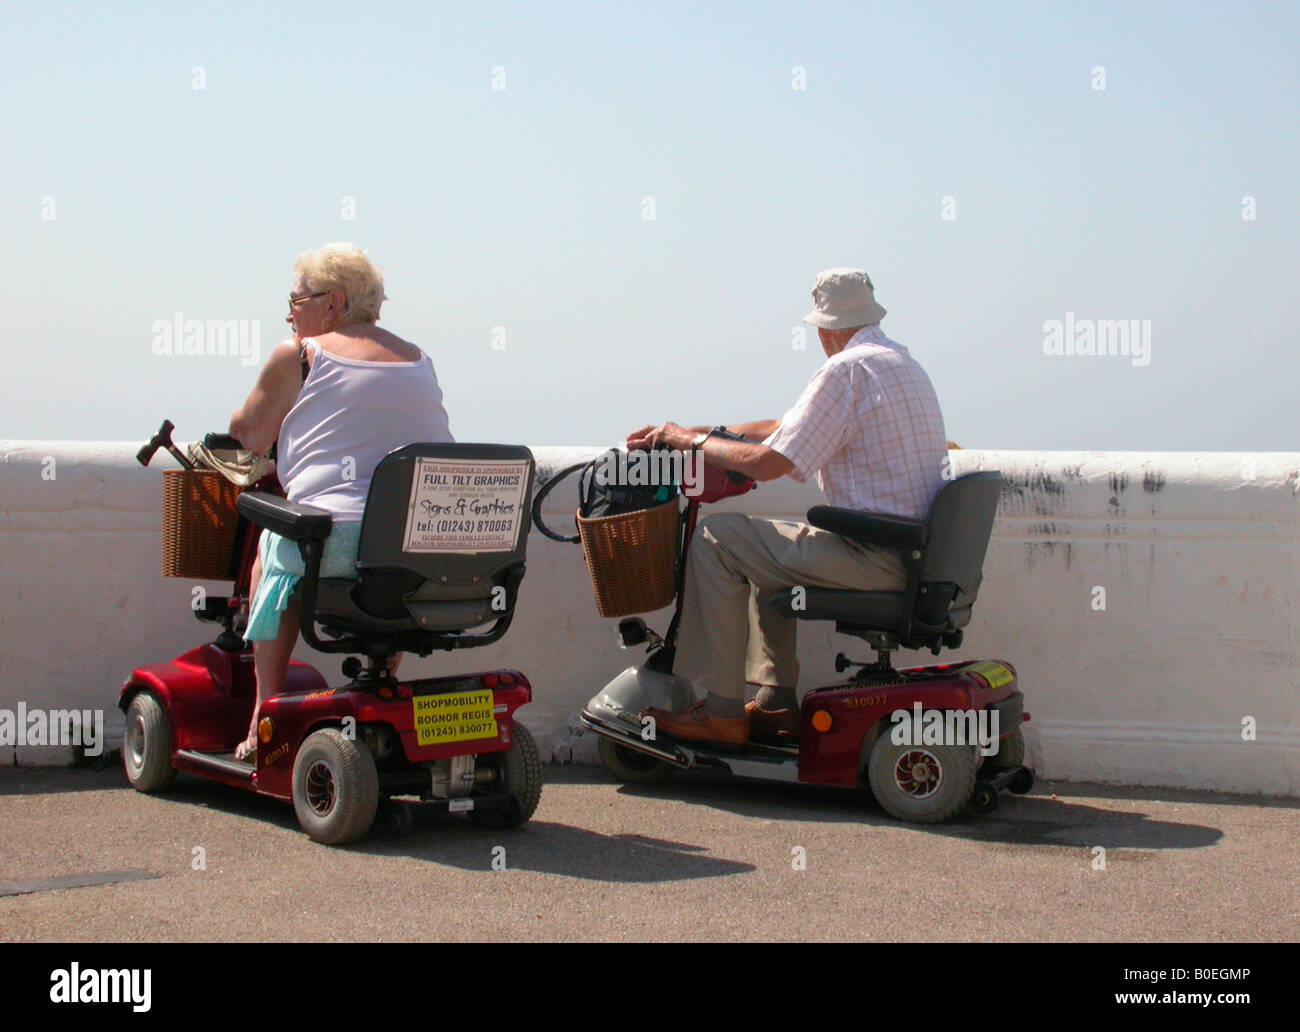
844, 298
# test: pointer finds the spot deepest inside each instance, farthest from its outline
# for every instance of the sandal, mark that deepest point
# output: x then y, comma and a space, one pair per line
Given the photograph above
246, 751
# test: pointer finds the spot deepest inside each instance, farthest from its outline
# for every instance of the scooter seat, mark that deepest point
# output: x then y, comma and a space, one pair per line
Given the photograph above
346, 605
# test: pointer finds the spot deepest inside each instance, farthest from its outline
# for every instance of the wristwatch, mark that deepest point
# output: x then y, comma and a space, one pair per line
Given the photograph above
697, 442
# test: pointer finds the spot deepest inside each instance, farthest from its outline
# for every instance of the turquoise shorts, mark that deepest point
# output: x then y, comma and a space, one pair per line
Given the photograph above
282, 569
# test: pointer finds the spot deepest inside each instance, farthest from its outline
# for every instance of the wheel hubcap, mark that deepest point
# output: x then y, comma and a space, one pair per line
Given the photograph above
320, 788
135, 741
918, 773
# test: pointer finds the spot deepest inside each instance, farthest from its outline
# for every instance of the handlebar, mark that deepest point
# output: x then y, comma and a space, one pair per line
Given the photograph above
163, 439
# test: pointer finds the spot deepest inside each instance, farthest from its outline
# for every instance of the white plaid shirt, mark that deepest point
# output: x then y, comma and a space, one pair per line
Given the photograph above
868, 424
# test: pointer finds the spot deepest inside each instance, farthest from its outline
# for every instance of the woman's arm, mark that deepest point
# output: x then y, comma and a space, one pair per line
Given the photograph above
256, 424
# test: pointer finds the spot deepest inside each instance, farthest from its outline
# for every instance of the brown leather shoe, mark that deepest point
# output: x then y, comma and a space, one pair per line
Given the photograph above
697, 724
771, 723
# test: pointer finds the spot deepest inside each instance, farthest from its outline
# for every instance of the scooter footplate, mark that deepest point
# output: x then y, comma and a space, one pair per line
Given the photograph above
766, 762
664, 750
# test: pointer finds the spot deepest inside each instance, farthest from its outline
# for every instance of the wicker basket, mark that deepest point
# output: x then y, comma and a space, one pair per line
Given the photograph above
632, 559
199, 524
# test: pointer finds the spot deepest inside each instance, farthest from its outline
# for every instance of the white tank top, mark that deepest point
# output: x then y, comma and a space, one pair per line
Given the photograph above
349, 415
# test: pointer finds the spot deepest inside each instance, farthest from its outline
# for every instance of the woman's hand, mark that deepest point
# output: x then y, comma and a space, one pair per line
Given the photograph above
257, 423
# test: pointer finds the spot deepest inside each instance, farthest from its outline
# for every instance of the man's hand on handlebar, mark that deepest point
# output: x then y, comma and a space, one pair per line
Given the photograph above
747, 456
670, 435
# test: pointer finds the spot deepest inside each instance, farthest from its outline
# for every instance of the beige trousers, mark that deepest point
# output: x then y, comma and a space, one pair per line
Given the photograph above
729, 634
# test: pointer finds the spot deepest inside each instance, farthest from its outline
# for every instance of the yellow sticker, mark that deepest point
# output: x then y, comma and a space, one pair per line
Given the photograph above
995, 673
456, 717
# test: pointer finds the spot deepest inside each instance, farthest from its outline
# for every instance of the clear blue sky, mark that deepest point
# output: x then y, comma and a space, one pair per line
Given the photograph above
522, 208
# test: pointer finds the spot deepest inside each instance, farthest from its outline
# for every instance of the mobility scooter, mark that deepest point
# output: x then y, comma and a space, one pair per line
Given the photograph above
440, 560
847, 735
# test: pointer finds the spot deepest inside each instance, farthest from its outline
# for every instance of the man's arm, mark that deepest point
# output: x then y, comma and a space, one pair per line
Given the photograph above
759, 431
756, 431
748, 457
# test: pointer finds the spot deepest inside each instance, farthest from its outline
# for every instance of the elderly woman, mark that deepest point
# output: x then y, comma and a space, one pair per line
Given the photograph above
338, 397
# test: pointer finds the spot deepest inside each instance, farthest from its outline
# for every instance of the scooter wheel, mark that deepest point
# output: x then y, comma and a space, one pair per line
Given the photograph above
521, 778
1011, 752
984, 799
400, 818
1023, 782
335, 787
631, 766
924, 784
147, 745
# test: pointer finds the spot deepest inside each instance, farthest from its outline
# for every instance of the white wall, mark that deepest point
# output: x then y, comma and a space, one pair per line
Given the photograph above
1196, 553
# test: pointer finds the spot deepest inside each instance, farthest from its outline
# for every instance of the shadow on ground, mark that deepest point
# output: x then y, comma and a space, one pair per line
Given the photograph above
1054, 815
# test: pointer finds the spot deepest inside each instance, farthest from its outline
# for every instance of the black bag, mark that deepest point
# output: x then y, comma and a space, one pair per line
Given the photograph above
612, 498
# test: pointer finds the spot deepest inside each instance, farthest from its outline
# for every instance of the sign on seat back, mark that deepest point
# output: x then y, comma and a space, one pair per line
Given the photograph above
445, 531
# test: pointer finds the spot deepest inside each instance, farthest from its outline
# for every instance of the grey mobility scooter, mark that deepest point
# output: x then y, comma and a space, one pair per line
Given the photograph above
847, 733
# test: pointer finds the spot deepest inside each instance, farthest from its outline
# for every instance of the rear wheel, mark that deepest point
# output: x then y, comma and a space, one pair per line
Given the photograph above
147, 745
923, 784
631, 765
521, 779
1011, 752
335, 787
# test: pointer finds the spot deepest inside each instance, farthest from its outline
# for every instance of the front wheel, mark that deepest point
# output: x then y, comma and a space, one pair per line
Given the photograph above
631, 765
147, 747
924, 784
335, 787
521, 779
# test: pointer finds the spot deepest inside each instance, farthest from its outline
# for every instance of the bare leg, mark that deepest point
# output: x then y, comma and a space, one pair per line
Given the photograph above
270, 659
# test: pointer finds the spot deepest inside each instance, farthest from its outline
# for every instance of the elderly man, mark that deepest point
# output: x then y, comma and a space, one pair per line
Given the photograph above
868, 425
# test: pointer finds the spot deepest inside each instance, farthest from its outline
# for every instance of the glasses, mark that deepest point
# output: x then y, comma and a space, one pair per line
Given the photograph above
294, 302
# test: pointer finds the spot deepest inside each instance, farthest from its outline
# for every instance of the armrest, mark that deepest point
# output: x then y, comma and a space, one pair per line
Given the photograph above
867, 528
288, 519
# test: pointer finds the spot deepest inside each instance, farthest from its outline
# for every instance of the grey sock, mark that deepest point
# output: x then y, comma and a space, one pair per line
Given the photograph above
770, 698
727, 709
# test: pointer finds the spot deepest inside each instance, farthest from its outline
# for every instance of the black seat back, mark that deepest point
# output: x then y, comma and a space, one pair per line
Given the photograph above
441, 552
960, 526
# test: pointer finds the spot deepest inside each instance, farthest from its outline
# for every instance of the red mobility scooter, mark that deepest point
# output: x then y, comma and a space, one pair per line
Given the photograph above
912, 735
440, 560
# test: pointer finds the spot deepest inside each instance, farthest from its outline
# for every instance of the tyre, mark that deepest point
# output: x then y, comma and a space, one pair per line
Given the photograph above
631, 766
521, 779
400, 818
984, 799
923, 784
1023, 782
1011, 752
147, 745
335, 787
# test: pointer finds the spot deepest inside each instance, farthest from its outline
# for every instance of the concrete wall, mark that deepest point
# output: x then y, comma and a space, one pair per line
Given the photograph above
1195, 553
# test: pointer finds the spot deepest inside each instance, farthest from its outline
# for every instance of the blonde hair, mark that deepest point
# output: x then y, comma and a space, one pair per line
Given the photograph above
347, 268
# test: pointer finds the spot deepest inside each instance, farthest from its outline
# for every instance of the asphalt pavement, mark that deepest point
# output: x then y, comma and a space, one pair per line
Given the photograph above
84, 858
